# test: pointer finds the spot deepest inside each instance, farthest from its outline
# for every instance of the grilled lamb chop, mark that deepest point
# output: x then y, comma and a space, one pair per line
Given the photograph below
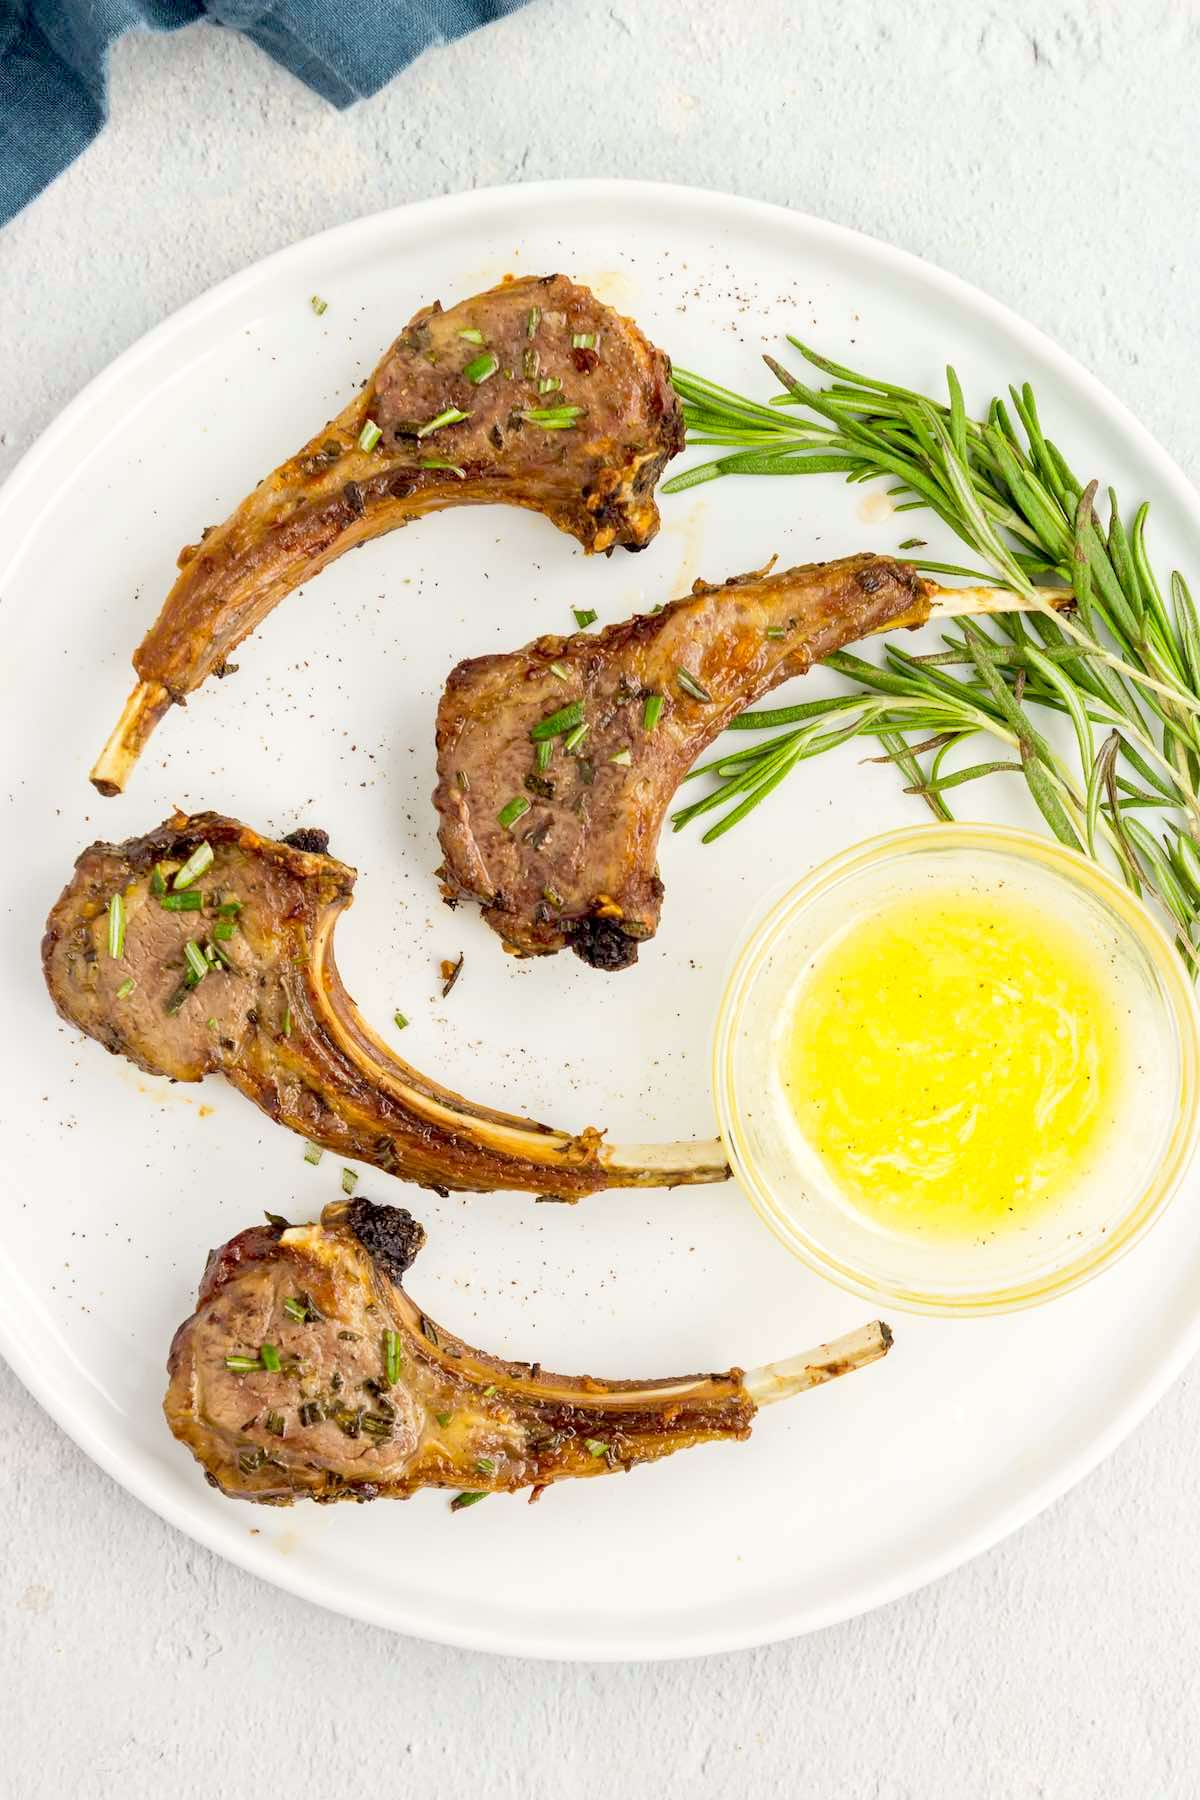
563, 851
233, 972
566, 854
307, 1372
533, 394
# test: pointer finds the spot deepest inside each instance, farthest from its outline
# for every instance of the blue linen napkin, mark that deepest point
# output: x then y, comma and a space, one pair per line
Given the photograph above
53, 55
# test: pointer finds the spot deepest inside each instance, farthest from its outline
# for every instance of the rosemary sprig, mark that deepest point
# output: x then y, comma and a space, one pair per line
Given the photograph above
1127, 661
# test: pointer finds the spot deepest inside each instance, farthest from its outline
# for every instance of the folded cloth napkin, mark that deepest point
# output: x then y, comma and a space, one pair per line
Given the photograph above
53, 55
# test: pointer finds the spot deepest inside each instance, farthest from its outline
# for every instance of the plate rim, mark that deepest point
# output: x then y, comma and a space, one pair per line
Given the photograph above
666, 1642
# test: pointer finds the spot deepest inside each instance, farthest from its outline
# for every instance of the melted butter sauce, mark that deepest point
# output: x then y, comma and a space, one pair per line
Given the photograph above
956, 1062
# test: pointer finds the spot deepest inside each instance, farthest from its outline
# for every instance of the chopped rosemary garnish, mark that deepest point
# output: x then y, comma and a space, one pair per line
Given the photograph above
252, 1459
116, 927
544, 752
274, 1423
242, 1365
651, 711
549, 384
158, 881
311, 1413
200, 859
443, 1418
369, 436
195, 959
451, 972
399, 1020
223, 930
489, 1390
270, 1357
462, 1500
299, 1307
222, 955
552, 897
349, 1180
561, 670
531, 363
516, 809
914, 544
583, 340
691, 686
776, 631
318, 305
596, 1446
585, 616
191, 901
451, 416
533, 320
558, 722
472, 336
623, 757
484, 1465
441, 462
286, 1027
126, 988
228, 907
392, 1359
552, 418
574, 738
481, 368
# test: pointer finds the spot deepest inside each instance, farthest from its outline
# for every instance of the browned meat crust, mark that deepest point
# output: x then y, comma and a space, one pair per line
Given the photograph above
555, 345
340, 1388
270, 1014
579, 867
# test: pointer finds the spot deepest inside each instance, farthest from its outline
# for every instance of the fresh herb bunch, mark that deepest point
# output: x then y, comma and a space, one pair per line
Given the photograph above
1124, 661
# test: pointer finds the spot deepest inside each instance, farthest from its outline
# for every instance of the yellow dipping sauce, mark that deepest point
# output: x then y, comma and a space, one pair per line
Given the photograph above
954, 1060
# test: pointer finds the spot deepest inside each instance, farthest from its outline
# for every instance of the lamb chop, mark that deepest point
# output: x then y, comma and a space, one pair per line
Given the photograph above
556, 763
307, 1372
533, 394
203, 947
561, 849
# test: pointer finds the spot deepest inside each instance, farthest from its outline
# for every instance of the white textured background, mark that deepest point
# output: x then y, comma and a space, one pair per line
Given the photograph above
1048, 153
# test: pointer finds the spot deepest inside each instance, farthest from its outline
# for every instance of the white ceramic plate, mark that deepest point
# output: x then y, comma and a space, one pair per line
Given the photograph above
117, 1184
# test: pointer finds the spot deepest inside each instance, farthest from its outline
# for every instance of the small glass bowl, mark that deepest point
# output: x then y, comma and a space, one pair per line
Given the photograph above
1153, 1140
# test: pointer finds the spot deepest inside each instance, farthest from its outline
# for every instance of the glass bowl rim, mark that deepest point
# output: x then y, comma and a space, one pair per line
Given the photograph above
1143, 1209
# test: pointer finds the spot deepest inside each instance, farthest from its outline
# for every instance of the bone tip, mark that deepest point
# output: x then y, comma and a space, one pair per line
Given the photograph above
139, 716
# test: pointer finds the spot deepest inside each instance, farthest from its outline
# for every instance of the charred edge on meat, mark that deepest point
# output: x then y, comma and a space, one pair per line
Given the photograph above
602, 944
309, 838
389, 1234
